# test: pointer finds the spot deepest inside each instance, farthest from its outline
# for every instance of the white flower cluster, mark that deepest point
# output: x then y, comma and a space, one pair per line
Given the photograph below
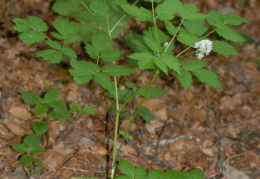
204, 48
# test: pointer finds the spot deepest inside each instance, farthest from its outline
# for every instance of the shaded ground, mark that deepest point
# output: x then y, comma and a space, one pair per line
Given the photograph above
200, 128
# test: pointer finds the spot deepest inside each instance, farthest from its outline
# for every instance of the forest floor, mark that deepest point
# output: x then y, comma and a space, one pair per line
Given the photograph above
202, 128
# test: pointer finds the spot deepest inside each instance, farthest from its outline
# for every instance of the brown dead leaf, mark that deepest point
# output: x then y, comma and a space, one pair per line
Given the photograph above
232, 173
15, 128
163, 114
19, 111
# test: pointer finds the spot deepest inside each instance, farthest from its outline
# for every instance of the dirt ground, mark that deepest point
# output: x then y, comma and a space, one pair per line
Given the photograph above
205, 128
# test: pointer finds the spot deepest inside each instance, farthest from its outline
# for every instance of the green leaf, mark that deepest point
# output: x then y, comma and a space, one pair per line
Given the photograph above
69, 8
153, 92
51, 95
130, 171
207, 77
170, 28
196, 174
83, 71
40, 110
88, 110
104, 81
38, 163
215, 18
141, 13
146, 114
223, 48
229, 33
32, 36
126, 135
21, 148
130, 85
117, 70
101, 41
157, 174
53, 44
36, 150
136, 42
152, 44
32, 139
161, 64
74, 107
98, 7
193, 64
69, 52
52, 55
109, 55
185, 78
31, 30
152, 33
190, 12
40, 127
187, 38
26, 159
92, 51
166, 10
67, 30
31, 98
60, 110
195, 27
171, 61
145, 60
233, 19
57, 35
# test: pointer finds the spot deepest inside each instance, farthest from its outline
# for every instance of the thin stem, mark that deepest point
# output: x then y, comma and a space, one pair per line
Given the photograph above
190, 47
98, 59
137, 91
187, 54
155, 25
120, 20
87, 8
135, 115
47, 133
174, 35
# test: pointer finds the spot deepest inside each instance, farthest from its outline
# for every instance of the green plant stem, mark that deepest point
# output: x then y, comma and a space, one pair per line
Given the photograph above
135, 115
187, 54
190, 47
120, 20
174, 35
117, 111
87, 8
155, 25
137, 91
47, 132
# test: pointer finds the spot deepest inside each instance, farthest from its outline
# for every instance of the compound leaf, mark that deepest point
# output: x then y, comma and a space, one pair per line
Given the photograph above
153, 92
109, 55
208, 77
223, 48
185, 78
74, 107
166, 10
187, 38
171, 61
104, 81
69, 52
193, 64
117, 70
141, 13
52, 55
66, 30
215, 18
88, 110
233, 19
229, 33
161, 64
53, 44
